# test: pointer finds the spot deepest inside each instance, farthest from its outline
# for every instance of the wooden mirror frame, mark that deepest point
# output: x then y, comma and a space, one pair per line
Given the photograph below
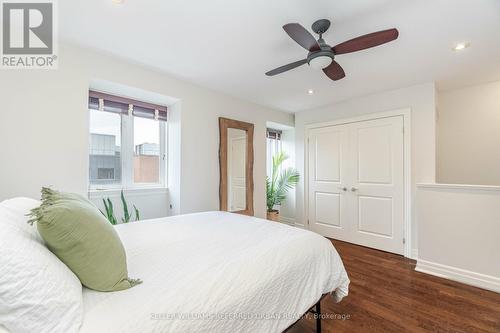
224, 125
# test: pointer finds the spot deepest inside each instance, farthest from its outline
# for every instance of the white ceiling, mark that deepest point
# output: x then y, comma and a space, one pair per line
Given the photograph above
228, 45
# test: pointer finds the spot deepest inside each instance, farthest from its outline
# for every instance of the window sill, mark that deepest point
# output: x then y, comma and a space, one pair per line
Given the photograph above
97, 194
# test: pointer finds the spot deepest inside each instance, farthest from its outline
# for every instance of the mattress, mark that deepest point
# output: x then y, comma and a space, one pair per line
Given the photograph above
216, 272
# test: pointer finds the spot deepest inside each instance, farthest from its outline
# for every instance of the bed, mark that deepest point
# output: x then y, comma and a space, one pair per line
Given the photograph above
205, 272
216, 272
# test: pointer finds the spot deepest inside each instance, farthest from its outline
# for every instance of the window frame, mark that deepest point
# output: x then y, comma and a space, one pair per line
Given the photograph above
276, 144
127, 158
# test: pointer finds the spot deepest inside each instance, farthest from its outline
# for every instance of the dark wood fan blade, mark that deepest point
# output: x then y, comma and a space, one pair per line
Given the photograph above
366, 41
334, 71
287, 67
299, 34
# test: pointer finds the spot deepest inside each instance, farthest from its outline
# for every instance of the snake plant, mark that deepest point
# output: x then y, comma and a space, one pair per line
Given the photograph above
110, 214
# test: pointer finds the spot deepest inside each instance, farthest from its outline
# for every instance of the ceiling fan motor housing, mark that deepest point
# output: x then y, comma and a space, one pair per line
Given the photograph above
321, 26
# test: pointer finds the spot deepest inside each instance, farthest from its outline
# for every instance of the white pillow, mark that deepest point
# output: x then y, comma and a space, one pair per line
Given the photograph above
38, 293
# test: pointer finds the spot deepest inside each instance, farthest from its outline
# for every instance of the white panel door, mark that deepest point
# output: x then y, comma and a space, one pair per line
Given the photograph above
377, 188
327, 173
370, 166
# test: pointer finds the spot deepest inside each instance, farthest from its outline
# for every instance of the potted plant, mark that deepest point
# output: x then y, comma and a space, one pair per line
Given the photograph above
110, 214
278, 186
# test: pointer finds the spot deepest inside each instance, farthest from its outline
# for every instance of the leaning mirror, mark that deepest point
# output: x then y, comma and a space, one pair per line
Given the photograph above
236, 166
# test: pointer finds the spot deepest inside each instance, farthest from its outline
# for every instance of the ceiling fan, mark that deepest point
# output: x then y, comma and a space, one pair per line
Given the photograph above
322, 55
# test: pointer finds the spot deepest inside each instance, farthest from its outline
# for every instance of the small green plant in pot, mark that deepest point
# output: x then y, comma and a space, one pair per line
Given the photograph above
110, 214
279, 184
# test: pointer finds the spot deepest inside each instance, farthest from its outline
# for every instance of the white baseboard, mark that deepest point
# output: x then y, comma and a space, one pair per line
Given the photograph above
460, 275
414, 254
287, 220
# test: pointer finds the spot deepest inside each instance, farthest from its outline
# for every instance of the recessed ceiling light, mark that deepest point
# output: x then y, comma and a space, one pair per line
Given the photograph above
118, 2
310, 92
461, 46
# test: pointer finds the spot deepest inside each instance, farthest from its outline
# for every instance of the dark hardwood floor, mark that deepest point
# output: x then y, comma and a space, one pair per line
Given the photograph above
387, 295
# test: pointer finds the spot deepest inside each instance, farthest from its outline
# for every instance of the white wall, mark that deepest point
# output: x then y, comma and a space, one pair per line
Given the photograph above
44, 129
469, 135
420, 99
287, 208
151, 204
459, 230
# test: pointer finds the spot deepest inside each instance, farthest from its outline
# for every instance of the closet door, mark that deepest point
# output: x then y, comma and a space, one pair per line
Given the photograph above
356, 183
377, 186
328, 171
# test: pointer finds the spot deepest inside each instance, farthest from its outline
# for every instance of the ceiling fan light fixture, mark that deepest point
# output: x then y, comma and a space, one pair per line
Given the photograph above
320, 62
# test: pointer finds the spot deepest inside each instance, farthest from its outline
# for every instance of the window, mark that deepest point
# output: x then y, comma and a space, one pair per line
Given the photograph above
127, 143
147, 151
105, 148
106, 173
273, 147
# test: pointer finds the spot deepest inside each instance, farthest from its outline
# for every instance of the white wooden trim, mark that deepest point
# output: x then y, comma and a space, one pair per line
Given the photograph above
287, 220
465, 187
406, 113
483, 281
370, 116
163, 154
407, 184
127, 151
112, 193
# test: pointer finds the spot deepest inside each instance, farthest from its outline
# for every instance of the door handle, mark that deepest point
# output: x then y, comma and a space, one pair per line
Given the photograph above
343, 189
353, 189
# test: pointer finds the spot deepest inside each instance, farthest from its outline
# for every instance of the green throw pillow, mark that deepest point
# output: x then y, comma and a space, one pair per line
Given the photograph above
81, 237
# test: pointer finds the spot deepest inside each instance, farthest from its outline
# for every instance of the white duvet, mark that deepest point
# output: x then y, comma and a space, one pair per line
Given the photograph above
216, 272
